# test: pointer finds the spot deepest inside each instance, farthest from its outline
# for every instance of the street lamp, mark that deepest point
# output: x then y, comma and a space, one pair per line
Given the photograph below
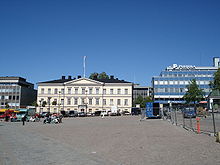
49, 103
40, 105
86, 101
59, 101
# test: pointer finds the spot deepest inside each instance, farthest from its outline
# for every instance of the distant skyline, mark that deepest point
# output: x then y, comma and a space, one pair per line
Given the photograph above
133, 40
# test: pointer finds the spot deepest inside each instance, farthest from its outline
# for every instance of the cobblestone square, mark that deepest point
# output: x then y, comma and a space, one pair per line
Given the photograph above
120, 140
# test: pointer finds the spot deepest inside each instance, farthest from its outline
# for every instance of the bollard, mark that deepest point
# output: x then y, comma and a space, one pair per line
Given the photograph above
198, 124
218, 137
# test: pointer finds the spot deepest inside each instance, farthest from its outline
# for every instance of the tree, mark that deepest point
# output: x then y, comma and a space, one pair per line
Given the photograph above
215, 84
103, 75
96, 75
142, 101
193, 93
34, 104
7, 105
93, 75
44, 103
54, 103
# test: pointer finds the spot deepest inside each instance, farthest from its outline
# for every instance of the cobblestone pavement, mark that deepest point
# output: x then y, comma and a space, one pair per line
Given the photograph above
121, 140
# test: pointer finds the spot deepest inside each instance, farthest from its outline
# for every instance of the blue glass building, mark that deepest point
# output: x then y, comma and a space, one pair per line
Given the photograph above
170, 85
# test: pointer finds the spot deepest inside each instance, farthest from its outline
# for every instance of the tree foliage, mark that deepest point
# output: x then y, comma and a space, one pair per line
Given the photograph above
193, 93
44, 103
54, 103
215, 84
96, 75
34, 104
142, 101
7, 106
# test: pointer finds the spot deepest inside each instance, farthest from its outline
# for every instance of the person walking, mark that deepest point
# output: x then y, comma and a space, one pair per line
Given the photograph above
24, 119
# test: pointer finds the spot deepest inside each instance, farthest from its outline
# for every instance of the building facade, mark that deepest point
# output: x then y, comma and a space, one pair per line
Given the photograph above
143, 91
170, 86
84, 95
16, 92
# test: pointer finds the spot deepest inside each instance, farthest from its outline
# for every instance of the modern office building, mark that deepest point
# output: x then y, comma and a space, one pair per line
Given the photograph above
143, 91
170, 85
84, 95
16, 92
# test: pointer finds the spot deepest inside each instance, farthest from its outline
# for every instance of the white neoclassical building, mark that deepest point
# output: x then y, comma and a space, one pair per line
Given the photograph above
84, 95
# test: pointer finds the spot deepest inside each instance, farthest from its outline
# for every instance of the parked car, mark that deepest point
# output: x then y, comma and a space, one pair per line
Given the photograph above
73, 113
189, 112
82, 114
126, 113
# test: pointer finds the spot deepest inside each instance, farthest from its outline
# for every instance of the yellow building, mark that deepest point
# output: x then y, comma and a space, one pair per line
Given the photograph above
84, 95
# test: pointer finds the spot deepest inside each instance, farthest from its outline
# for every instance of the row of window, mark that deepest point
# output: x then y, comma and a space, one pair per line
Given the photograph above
82, 91
180, 82
9, 90
174, 90
187, 75
83, 101
9, 97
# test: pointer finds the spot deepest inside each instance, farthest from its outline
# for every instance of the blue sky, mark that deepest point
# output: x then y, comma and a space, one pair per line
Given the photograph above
132, 39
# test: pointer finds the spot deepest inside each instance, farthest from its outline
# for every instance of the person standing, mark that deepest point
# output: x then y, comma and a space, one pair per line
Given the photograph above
24, 119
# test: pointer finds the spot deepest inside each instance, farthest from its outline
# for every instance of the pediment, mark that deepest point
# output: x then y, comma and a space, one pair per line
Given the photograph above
83, 81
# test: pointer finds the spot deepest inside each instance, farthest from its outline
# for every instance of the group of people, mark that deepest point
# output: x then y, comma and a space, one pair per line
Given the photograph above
54, 118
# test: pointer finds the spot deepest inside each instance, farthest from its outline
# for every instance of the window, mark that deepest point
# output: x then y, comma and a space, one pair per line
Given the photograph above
104, 91
49, 90
90, 90
75, 101
119, 102
111, 101
104, 101
83, 101
97, 101
69, 90
76, 90
69, 101
111, 91
55, 91
126, 91
155, 82
97, 90
90, 101
62, 91
42, 90
83, 90
119, 91
126, 102
62, 101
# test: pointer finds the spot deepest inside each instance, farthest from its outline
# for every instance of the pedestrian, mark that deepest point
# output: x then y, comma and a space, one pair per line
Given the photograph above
24, 119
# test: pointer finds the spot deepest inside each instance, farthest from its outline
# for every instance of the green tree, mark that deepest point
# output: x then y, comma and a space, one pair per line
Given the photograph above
215, 84
142, 101
34, 104
96, 75
193, 93
54, 103
93, 75
103, 75
44, 103
7, 106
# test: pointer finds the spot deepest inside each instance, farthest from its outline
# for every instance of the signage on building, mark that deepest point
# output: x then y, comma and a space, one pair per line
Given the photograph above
181, 67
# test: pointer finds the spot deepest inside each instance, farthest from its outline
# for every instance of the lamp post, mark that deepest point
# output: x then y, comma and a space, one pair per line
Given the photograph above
49, 103
86, 101
40, 105
59, 102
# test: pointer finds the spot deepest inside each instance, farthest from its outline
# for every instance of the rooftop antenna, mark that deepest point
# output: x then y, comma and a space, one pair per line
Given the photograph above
84, 66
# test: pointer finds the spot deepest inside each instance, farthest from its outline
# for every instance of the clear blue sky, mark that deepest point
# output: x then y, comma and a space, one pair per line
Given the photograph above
132, 39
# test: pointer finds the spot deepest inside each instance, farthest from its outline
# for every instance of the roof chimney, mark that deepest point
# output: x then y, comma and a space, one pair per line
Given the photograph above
69, 77
63, 77
79, 77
